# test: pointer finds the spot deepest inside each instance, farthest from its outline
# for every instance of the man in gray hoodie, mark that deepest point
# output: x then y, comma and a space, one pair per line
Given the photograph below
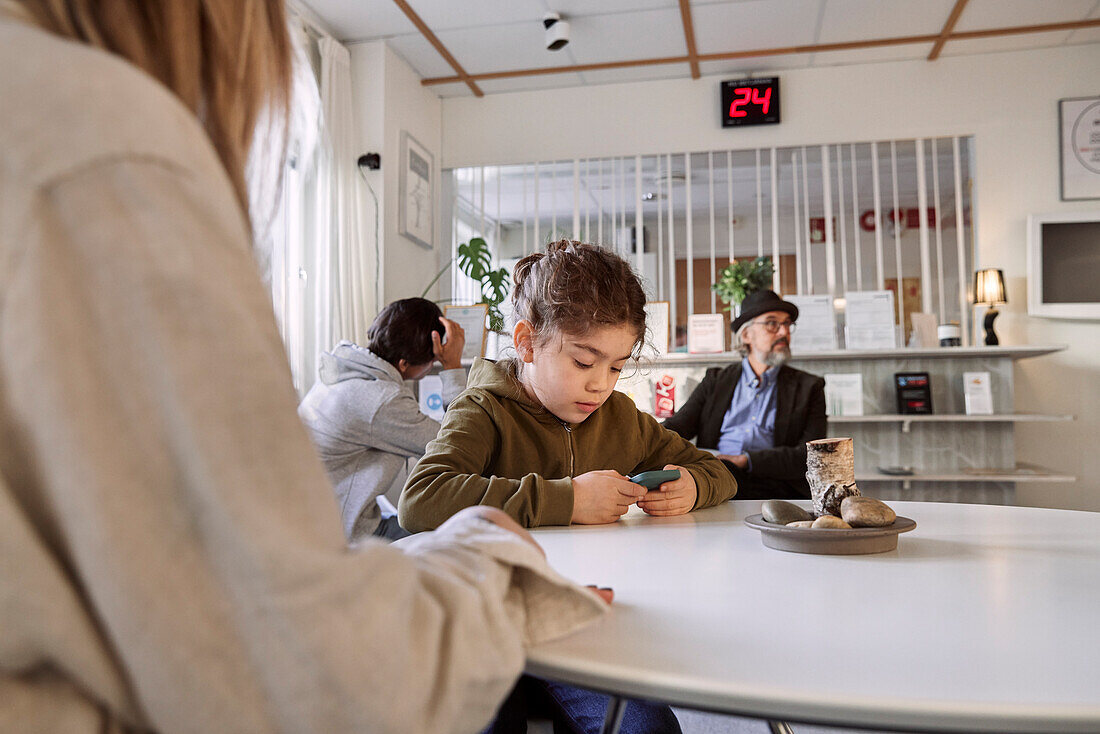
363, 416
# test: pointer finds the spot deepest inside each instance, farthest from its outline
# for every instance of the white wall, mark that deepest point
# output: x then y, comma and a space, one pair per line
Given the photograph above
389, 99
1007, 101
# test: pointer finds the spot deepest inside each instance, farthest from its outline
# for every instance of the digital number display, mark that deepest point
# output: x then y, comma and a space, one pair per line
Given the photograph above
750, 102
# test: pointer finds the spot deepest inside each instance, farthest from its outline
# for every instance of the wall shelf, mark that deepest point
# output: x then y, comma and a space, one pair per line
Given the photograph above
999, 352
906, 421
1022, 473
944, 445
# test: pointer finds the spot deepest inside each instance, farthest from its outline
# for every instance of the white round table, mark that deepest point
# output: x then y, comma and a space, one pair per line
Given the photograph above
985, 618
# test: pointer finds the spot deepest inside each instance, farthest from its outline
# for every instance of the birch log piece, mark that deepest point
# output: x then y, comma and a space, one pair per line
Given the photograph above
831, 472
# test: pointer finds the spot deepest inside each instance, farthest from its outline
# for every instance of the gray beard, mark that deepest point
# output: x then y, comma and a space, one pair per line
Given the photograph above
777, 358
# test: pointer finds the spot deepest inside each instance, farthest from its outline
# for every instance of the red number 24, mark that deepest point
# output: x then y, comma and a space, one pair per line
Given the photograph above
753, 94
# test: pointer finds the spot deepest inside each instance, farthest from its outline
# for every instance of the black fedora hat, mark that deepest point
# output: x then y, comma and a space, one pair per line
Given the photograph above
761, 302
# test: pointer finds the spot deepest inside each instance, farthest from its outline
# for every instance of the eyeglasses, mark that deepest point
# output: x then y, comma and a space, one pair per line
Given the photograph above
772, 326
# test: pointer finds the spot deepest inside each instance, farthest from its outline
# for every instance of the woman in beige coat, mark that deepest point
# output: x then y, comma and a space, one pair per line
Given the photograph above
170, 557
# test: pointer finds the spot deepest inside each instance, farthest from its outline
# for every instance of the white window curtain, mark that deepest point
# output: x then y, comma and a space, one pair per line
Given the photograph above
324, 258
353, 250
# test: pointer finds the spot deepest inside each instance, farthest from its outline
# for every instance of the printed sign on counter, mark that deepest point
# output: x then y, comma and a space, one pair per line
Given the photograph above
816, 324
869, 319
706, 333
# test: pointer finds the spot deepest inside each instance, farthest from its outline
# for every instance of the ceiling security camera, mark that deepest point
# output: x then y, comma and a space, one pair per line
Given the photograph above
557, 31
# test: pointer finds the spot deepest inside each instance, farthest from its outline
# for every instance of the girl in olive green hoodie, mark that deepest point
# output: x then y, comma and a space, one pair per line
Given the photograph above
544, 436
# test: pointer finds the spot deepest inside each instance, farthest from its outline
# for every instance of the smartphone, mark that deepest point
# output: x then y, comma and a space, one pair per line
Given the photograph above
654, 479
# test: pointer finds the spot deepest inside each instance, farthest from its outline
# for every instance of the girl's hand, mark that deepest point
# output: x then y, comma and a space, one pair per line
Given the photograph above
671, 498
603, 496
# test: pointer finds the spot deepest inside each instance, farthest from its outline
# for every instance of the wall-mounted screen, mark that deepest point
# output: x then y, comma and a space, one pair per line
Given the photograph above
1064, 265
750, 102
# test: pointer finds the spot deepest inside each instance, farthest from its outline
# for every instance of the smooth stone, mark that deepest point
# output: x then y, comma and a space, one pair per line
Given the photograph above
867, 512
783, 513
801, 524
832, 522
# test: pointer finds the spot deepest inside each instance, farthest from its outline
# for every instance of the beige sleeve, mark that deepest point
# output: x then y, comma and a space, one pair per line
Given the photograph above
153, 428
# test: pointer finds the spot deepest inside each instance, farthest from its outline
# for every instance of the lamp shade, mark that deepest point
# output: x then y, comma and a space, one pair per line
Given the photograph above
989, 287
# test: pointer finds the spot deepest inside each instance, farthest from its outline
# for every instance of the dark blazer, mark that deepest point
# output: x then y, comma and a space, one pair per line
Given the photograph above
799, 417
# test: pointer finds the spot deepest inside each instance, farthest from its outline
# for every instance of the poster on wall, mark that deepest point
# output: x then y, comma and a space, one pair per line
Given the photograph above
416, 216
1080, 131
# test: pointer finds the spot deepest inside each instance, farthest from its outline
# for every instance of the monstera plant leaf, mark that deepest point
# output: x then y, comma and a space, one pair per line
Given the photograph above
494, 289
474, 258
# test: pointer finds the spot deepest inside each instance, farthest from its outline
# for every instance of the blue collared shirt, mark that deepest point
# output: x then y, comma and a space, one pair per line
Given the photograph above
749, 424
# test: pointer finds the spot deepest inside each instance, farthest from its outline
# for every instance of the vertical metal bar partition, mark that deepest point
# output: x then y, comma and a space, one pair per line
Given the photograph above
671, 248
800, 279
939, 229
713, 261
840, 221
537, 240
657, 195
776, 263
830, 245
815, 210
729, 200
922, 218
639, 230
895, 216
806, 219
880, 267
960, 241
857, 242
759, 210
689, 237
587, 200
575, 234
554, 200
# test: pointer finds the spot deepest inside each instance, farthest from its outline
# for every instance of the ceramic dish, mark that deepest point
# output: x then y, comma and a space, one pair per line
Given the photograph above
830, 541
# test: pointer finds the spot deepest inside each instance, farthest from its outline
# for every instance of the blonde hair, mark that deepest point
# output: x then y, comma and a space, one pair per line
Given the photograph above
228, 61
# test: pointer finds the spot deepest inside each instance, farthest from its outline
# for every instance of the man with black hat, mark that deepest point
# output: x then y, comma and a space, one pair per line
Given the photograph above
758, 414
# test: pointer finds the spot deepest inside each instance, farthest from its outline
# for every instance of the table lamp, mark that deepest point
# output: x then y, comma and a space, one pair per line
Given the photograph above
989, 290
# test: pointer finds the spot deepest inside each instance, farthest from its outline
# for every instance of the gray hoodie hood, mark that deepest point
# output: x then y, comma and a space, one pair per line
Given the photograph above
349, 361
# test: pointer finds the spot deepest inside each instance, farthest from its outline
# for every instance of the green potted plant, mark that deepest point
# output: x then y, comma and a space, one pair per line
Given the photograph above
738, 279
475, 260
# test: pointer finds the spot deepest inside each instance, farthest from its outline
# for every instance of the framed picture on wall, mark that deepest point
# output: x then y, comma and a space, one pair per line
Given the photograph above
1079, 122
416, 202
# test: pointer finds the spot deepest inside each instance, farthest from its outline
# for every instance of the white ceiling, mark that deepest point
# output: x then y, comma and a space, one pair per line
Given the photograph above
502, 35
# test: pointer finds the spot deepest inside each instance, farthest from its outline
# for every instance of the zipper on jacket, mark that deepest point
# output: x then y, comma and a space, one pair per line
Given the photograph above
568, 443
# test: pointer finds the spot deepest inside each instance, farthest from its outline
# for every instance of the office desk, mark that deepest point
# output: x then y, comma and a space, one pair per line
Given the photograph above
985, 618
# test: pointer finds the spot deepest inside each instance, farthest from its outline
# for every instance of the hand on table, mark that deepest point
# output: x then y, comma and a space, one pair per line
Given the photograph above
500, 519
741, 461
603, 496
671, 498
449, 349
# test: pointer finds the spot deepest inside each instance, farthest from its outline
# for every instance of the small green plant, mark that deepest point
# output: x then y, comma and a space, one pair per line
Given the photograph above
475, 261
738, 279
